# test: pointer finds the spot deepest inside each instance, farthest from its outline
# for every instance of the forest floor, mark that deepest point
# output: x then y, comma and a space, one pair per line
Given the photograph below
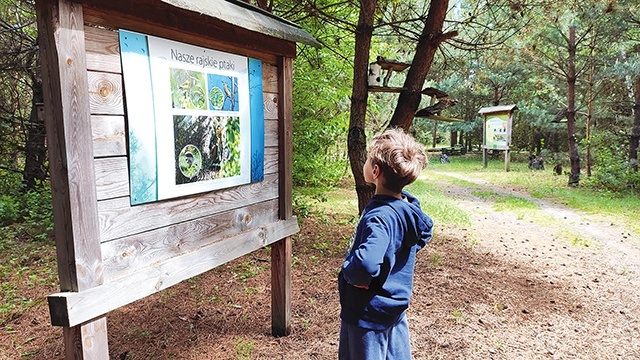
550, 283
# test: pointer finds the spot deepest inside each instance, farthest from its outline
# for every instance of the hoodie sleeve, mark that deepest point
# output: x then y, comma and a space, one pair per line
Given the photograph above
364, 262
426, 232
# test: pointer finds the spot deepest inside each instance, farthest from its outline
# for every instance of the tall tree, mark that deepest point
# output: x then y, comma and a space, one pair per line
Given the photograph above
23, 131
632, 13
357, 141
574, 155
634, 141
564, 46
428, 43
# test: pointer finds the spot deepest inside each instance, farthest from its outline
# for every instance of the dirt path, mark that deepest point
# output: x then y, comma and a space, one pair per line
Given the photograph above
512, 285
584, 274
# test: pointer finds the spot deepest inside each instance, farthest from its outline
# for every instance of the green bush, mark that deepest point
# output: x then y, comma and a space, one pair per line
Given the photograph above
616, 177
319, 156
9, 210
38, 212
612, 171
32, 210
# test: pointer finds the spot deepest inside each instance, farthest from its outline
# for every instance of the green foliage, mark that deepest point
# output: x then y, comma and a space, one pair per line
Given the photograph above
244, 347
614, 206
321, 118
612, 171
32, 210
9, 210
307, 201
38, 212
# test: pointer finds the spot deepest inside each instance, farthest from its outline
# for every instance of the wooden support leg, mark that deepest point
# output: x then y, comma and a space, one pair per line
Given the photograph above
484, 157
87, 342
281, 287
507, 160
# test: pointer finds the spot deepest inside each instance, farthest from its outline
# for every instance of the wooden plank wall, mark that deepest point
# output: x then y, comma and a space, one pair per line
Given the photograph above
133, 237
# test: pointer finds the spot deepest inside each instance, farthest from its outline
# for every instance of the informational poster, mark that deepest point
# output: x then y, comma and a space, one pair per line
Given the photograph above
195, 118
497, 131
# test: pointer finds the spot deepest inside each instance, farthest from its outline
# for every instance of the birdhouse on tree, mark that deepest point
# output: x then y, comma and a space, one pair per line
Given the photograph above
378, 67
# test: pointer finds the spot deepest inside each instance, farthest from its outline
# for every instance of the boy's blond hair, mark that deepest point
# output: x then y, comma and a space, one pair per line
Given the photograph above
400, 158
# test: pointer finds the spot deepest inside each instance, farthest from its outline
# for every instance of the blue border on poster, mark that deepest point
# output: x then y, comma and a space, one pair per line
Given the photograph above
143, 173
257, 120
143, 168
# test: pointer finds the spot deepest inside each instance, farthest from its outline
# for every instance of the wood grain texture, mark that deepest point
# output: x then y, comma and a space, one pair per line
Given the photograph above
119, 219
112, 177
103, 50
128, 254
105, 93
108, 133
285, 133
162, 20
69, 140
112, 181
281, 251
271, 108
61, 39
84, 341
269, 78
77, 307
271, 133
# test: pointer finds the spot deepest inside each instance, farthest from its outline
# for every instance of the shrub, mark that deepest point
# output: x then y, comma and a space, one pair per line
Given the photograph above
612, 170
9, 210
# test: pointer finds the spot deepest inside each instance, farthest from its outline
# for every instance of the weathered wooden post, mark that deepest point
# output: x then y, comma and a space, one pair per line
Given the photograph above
169, 126
496, 131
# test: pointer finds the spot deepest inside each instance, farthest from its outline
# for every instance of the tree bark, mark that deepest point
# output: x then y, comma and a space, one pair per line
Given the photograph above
409, 99
634, 141
356, 139
574, 155
428, 43
590, 99
35, 166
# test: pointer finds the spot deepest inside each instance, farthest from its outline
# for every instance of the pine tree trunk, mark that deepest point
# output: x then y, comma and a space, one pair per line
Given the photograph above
35, 146
634, 141
429, 41
574, 155
356, 140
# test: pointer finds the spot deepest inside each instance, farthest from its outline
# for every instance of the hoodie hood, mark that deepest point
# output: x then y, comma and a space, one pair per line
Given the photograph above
418, 224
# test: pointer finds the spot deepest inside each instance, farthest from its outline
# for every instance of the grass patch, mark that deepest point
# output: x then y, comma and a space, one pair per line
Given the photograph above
28, 272
441, 208
614, 207
582, 242
458, 316
576, 240
244, 348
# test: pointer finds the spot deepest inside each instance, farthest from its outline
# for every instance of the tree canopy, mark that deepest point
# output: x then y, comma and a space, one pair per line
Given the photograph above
571, 68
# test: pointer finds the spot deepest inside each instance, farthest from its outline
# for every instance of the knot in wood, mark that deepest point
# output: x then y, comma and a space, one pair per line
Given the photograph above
105, 88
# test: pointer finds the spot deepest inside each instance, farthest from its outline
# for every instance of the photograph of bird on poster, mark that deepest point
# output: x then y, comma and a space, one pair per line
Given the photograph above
223, 92
206, 147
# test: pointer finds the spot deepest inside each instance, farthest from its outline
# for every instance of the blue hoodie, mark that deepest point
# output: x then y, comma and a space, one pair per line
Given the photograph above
382, 256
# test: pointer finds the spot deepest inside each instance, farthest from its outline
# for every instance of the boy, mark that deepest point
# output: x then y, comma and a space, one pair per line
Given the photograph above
376, 278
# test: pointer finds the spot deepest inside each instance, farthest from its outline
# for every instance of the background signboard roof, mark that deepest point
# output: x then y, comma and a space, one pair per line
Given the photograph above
497, 109
250, 17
